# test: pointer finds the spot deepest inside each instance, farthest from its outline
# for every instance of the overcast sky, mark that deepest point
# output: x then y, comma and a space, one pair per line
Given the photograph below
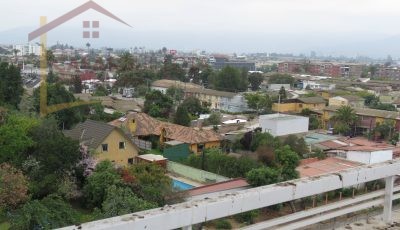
327, 26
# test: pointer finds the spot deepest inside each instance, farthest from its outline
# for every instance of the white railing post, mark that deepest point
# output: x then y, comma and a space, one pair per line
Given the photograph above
387, 205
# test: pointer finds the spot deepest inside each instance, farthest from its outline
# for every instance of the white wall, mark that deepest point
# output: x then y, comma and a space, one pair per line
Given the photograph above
366, 157
276, 87
161, 89
381, 156
358, 156
281, 124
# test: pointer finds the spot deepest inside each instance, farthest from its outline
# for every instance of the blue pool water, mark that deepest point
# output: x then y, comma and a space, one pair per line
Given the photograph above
179, 185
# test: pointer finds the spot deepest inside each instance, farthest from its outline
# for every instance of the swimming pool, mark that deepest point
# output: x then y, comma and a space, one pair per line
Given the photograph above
179, 185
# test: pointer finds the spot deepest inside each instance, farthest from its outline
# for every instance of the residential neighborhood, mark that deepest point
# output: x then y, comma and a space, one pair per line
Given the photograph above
222, 131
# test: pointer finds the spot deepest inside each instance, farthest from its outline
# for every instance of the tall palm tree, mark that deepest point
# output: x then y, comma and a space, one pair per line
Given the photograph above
344, 119
126, 63
16, 51
50, 58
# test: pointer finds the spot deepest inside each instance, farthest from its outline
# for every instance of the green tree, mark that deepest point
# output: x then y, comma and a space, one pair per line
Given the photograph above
387, 107
52, 78
261, 139
121, 201
11, 89
217, 162
231, 79
126, 63
281, 79
172, 71
48, 213
98, 114
194, 107
287, 160
103, 177
14, 138
297, 144
77, 84
205, 74
194, 74
371, 100
255, 80
182, 116
344, 119
14, 187
157, 104
100, 91
314, 121
175, 93
215, 118
384, 130
57, 94
263, 176
282, 93
151, 183
57, 155
260, 102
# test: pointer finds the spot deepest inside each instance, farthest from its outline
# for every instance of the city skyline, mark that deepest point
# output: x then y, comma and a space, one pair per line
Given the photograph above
337, 28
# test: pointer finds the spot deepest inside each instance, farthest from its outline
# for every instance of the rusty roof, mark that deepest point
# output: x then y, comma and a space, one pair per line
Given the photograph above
147, 125
218, 187
329, 165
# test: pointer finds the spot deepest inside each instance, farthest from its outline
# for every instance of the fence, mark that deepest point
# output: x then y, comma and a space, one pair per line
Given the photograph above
142, 144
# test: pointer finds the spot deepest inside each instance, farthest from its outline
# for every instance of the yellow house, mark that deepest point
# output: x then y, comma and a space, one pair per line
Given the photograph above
367, 118
214, 98
298, 104
347, 100
105, 141
143, 126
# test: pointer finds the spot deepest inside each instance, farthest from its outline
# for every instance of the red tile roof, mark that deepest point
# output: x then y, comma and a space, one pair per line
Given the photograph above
88, 76
146, 125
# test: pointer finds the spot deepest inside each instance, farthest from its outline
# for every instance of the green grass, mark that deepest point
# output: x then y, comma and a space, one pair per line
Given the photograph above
4, 226
154, 151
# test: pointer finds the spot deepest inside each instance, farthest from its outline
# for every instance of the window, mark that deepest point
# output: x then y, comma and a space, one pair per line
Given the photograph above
130, 161
122, 145
200, 147
104, 147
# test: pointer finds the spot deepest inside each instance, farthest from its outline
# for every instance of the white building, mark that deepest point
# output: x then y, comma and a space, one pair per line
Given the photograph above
369, 154
27, 49
316, 85
277, 87
283, 124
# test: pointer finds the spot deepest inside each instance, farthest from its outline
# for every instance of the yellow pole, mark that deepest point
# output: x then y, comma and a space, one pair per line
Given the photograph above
43, 70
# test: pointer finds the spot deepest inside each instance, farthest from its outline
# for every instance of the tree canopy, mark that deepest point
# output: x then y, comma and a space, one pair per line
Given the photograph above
158, 105
260, 102
255, 80
281, 79
57, 94
14, 187
231, 79
344, 119
11, 89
